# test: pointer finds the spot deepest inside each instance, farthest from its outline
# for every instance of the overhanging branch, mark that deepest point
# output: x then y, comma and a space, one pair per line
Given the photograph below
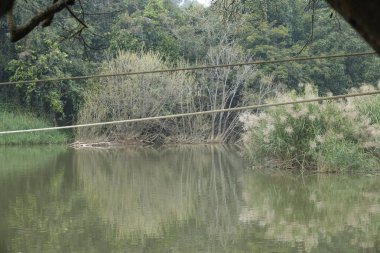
363, 16
19, 32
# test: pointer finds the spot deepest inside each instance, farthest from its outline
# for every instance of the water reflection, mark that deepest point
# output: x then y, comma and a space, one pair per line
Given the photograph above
315, 211
178, 199
143, 193
27, 175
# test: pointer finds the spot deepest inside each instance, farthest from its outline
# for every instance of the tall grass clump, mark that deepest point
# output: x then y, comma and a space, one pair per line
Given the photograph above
368, 105
331, 136
17, 120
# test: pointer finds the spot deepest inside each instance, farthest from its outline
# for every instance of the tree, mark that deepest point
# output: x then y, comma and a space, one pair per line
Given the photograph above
137, 96
59, 100
363, 16
148, 29
279, 29
44, 18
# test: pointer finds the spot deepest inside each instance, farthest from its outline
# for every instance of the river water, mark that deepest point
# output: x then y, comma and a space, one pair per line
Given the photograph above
177, 199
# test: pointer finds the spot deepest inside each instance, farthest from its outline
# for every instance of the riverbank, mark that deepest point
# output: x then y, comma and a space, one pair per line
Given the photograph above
15, 120
340, 136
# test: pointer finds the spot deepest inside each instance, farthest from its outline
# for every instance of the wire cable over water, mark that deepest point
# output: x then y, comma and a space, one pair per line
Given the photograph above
251, 107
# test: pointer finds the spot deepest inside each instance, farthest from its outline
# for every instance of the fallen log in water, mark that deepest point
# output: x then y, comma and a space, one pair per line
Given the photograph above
102, 144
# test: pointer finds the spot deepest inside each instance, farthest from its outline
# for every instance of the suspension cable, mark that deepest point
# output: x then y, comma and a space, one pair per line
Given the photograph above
375, 92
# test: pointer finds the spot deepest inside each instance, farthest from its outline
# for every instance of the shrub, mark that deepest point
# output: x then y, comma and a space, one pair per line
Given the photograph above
140, 96
327, 136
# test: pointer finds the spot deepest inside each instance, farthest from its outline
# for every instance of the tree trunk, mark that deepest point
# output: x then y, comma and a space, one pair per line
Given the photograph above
363, 16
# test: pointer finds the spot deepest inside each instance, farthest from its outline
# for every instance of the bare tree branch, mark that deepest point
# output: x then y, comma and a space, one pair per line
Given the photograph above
19, 32
76, 18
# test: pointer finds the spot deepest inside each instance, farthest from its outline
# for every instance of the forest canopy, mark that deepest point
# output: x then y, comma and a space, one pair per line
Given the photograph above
361, 16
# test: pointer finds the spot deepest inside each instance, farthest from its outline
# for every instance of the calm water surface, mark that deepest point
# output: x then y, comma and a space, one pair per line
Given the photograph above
177, 199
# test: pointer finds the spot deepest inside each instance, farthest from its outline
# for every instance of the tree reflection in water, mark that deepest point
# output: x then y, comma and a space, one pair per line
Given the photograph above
314, 210
178, 199
143, 193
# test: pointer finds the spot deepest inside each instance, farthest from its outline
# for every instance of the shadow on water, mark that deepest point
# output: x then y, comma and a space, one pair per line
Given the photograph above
178, 199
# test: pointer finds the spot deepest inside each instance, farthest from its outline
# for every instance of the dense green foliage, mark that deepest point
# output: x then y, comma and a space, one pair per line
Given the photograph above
58, 99
183, 33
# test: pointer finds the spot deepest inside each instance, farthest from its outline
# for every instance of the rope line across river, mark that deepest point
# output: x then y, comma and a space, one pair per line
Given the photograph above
251, 107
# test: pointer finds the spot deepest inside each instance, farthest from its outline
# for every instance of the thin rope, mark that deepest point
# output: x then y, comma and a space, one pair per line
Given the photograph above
191, 68
194, 113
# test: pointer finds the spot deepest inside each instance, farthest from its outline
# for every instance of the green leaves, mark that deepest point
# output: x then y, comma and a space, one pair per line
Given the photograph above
149, 29
49, 62
284, 28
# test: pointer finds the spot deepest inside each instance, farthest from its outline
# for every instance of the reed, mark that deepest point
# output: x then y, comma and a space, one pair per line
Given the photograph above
327, 137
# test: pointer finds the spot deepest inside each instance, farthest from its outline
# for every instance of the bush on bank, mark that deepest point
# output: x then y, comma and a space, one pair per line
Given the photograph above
141, 96
331, 136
